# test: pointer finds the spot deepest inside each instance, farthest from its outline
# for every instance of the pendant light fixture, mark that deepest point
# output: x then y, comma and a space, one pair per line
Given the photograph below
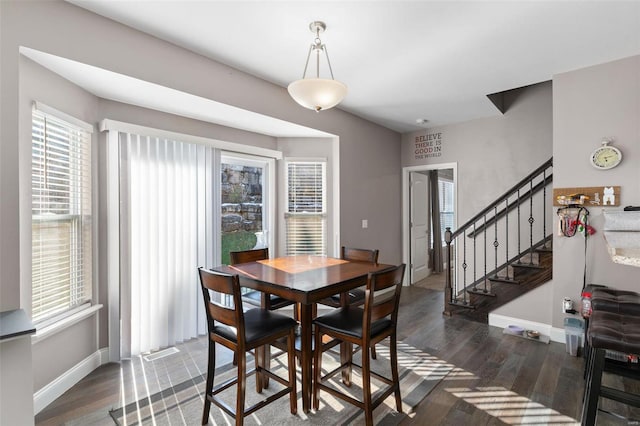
317, 93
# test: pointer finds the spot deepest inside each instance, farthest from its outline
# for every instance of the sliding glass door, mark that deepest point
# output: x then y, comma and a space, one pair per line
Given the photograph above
182, 205
244, 203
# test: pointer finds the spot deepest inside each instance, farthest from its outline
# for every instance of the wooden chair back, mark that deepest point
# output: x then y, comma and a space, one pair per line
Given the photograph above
378, 306
359, 255
224, 284
247, 256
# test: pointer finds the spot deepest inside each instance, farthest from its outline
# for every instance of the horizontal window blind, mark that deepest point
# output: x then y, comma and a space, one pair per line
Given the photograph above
306, 218
445, 192
61, 216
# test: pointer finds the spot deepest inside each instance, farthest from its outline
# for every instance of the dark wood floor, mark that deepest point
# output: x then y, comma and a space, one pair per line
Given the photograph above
498, 379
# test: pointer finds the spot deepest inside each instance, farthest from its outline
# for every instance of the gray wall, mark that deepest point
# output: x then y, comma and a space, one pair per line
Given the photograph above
370, 157
492, 153
589, 104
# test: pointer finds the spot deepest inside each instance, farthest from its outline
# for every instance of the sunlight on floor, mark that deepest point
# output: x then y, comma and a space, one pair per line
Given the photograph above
510, 407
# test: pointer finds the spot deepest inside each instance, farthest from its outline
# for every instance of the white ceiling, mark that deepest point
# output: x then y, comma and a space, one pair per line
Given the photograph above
402, 61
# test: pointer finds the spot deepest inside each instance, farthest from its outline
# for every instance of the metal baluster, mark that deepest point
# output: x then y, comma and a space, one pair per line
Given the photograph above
475, 262
544, 207
495, 239
484, 250
518, 200
464, 267
531, 220
506, 239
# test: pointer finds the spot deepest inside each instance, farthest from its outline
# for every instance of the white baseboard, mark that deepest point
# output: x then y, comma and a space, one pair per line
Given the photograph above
555, 334
65, 381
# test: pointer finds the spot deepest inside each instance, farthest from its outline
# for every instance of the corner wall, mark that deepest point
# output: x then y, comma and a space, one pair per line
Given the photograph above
492, 155
589, 104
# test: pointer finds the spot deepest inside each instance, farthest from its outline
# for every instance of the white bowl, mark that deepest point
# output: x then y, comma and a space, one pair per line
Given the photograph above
514, 329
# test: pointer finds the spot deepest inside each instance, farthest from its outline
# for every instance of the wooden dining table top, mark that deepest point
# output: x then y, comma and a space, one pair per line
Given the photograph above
303, 278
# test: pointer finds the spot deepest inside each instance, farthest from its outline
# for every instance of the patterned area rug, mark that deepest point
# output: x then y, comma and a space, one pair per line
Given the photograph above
182, 404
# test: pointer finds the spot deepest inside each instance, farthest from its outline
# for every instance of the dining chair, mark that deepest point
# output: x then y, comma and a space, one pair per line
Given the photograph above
364, 327
241, 332
255, 297
355, 296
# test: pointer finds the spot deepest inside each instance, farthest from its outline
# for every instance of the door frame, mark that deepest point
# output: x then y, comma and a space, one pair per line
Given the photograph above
406, 207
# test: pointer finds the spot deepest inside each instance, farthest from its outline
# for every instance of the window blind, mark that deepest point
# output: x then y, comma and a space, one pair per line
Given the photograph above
61, 216
306, 218
446, 205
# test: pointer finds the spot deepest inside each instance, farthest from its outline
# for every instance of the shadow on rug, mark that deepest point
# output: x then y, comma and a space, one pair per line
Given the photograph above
182, 404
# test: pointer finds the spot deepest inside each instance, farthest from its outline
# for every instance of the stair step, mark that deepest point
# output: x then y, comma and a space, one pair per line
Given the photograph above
498, 279
482, 293
527, 265
546, 249
462, 304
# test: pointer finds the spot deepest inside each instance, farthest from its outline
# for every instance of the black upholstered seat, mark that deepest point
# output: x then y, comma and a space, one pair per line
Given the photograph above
609, 331
616, 301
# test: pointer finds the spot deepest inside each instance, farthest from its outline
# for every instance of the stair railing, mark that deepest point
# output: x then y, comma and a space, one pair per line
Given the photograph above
494, 233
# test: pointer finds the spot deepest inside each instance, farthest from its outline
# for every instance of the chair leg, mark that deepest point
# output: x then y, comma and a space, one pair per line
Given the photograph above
266, 364
259, 362
291, 364
366, 387
242, 381
211, 368
590, 403
346, 355
373, 352
394, 372
317, 369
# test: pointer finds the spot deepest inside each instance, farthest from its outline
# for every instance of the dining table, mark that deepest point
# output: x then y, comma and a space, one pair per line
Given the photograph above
306, 280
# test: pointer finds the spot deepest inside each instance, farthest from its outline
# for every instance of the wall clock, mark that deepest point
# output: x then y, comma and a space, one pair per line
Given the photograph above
605, 157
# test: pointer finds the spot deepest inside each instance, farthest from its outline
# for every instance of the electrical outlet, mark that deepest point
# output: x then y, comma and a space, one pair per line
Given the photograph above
365, 223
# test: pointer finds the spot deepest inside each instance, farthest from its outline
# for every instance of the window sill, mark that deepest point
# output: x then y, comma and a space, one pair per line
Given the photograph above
63, 324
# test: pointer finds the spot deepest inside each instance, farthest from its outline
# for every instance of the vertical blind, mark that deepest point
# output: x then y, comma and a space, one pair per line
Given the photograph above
306, 218
160, 306
61, 216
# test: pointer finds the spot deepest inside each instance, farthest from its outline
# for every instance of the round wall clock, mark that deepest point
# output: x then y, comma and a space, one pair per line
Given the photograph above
605, 157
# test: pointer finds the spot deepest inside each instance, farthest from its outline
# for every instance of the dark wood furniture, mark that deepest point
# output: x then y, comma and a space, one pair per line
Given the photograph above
255, 297
365, 327
356, 296
243, 331
305, 280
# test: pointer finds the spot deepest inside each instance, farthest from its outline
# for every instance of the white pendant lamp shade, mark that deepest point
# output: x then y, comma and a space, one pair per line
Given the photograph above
317, 93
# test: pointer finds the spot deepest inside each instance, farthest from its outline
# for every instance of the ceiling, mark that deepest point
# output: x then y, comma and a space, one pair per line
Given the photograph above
402, 61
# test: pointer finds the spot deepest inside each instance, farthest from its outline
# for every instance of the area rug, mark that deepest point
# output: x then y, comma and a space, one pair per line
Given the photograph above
182, 404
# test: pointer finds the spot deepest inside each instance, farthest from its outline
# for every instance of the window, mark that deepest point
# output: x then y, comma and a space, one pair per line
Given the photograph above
445, 192
305, 216
60, 216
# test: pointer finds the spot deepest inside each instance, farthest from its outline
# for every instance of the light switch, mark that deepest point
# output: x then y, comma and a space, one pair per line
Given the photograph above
365, 223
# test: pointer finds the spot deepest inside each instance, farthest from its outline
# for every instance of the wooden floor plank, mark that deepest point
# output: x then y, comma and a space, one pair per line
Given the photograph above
497, 378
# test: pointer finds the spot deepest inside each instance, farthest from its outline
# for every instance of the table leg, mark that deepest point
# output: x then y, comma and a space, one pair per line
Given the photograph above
307, 354
346, 348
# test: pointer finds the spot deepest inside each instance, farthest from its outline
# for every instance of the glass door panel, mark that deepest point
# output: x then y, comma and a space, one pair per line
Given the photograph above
244, 218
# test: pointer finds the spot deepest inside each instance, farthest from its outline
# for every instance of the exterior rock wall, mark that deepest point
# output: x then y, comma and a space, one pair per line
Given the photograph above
241, 198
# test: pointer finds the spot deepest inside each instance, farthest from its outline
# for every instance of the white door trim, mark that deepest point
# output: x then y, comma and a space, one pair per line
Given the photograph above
406, 210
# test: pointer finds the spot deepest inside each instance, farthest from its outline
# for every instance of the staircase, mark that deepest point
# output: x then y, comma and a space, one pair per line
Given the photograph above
502, 252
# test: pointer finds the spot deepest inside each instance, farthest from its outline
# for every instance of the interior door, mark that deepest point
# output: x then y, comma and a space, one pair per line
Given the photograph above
419, 226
